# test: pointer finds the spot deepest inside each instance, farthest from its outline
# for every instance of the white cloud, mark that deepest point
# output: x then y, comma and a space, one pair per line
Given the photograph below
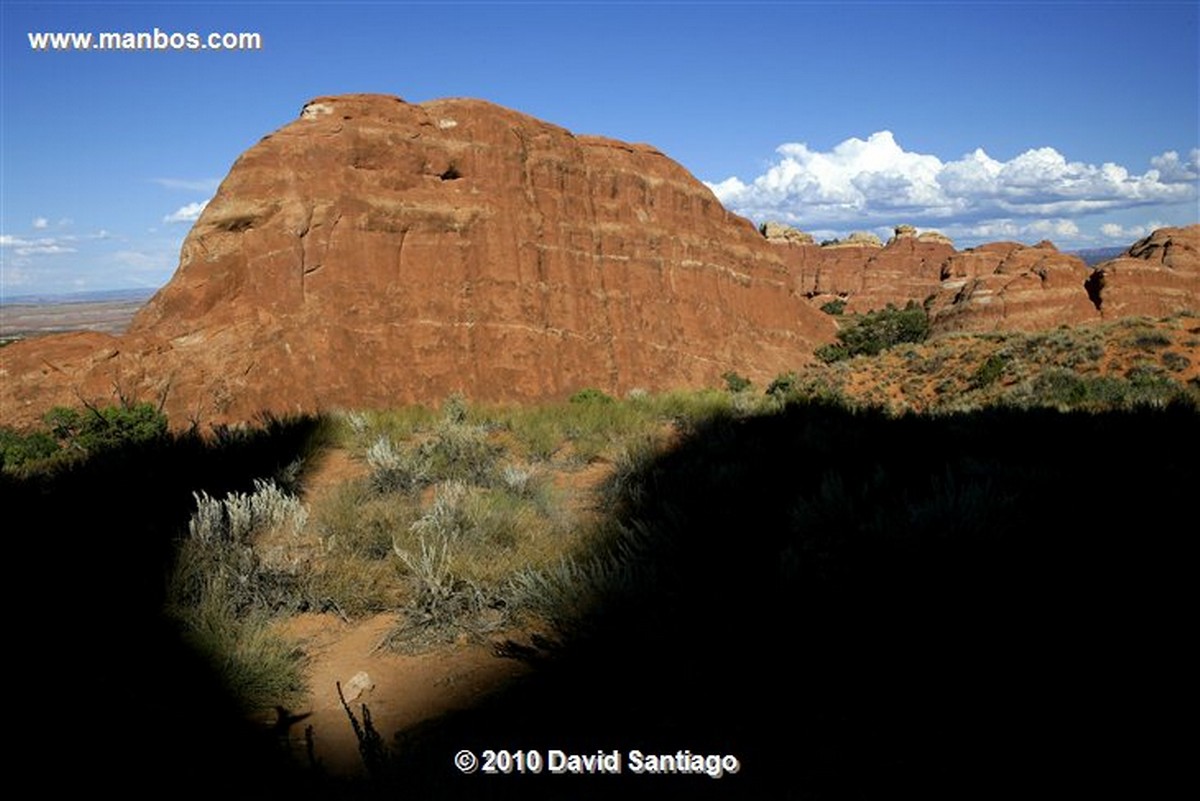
1007, 229
34, 247
190, 185
40, 222
862, 184
189, 213
1129, 233
1171, 168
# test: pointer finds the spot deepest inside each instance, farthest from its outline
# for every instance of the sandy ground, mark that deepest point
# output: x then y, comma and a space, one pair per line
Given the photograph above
401, 690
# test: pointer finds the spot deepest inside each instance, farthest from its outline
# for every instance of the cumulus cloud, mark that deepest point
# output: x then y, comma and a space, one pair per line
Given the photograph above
1172, 168
34, 247
864, 184
186, 214
40, 222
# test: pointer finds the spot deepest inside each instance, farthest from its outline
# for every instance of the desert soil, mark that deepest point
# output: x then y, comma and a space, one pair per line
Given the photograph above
403, 690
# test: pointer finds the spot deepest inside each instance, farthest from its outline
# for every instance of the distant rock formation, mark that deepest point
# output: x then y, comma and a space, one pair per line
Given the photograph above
1157, 276
867, 274
857, 239
1001, 285
375, 252
1010, 286
781, 233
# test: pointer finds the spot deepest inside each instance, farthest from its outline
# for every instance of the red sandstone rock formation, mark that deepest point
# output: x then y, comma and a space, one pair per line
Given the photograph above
1009, 286
373, 253
867, 274
1157, 276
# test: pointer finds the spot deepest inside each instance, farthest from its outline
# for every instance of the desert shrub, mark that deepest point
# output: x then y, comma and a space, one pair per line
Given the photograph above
568, 591
454, 450
258, 667
359, 430
440, 595
520, 480
223, 594
18, 449
834, 307
782, 385
1151, 340
591, 395
1143, 385
218, 555
444, 553
69, 433
455, 408
541, 434
989, 372
735, 382
96, 428
1175, 362
461, 451
876, 331
356, 573
397, 469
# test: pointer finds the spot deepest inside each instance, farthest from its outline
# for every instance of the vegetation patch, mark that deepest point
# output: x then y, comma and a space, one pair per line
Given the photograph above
871, 333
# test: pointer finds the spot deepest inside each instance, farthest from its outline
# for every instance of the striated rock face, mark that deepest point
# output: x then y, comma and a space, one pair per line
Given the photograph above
1157, 276
1010, 286
375, 252
868, 275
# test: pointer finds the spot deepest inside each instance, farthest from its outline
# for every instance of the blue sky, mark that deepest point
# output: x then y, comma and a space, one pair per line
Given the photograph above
1073, 121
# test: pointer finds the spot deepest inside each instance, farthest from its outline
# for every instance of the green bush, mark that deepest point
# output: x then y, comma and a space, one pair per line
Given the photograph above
96, 428
989, 372
876, 331
735, 382
834, 307
70, 433
591, 395
782, 385
17, 449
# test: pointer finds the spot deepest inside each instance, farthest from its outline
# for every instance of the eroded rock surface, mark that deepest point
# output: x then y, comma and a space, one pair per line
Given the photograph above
375, 252
1009, 286
1157, 276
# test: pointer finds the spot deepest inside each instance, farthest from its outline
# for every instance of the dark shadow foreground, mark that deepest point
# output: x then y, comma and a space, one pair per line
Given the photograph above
983, 605
986, 605
107, 695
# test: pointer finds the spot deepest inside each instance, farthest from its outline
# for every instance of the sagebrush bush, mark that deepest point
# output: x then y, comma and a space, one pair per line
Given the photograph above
223, 593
